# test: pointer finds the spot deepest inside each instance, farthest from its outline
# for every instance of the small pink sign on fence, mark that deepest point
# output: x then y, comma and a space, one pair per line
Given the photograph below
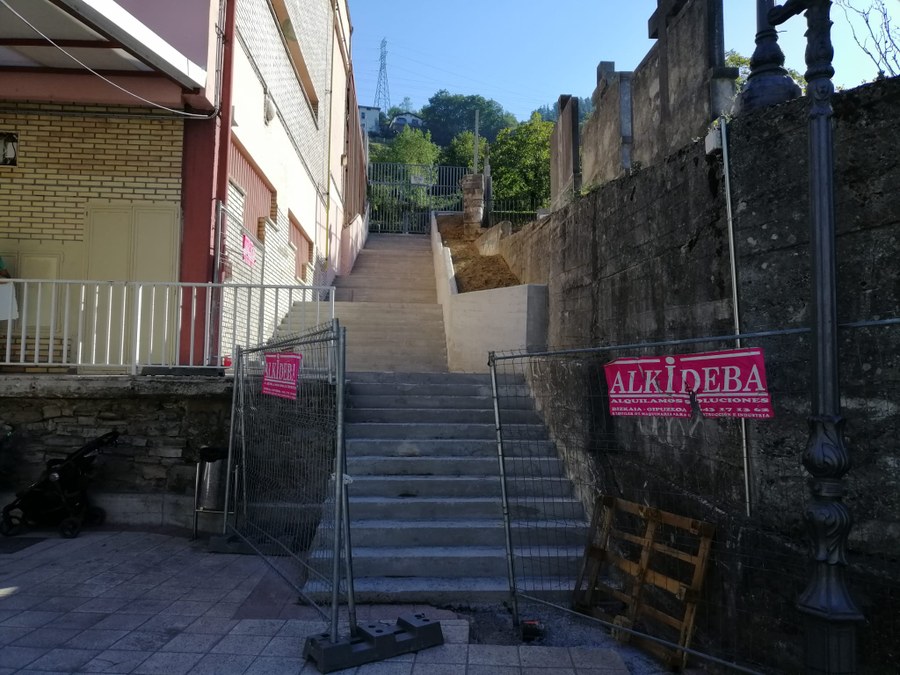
248, 251
282, 370
728, 383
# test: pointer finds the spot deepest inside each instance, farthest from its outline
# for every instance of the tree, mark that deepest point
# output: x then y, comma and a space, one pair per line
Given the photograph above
874, 31
411, 146
520, 161
735, 60
461, 151
445, 115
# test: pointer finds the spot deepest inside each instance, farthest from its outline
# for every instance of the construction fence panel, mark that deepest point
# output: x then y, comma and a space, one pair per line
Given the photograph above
738, 478
286, 451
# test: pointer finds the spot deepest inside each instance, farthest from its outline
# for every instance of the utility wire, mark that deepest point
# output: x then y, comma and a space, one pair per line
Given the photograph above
159, 106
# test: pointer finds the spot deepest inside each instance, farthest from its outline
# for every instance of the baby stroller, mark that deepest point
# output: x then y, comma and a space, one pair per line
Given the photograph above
59, 497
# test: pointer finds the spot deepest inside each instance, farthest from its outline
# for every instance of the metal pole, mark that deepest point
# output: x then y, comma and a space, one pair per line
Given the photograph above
510, 567
768, 82
342, 450
475, 165
826, 602
338, 503
237, 413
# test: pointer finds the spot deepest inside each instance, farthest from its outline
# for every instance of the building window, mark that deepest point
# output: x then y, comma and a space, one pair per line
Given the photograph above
9, 148
303, 249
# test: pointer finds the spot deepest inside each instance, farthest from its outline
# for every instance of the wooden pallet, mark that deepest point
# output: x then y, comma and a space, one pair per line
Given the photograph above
660, 560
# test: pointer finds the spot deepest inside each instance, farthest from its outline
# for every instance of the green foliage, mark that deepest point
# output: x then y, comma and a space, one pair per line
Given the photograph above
446, 115
520, 161
461, 151
411, 146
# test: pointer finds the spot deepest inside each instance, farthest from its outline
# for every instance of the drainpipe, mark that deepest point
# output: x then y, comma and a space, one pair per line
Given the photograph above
330, 95
224, 133
735, 299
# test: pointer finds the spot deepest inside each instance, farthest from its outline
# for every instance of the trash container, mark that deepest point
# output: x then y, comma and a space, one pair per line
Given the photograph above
213, 472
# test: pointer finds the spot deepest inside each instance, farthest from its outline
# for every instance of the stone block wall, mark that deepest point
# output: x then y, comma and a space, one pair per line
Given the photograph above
607, 135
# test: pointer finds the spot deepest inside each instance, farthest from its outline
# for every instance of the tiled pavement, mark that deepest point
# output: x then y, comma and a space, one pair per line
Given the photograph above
139, 602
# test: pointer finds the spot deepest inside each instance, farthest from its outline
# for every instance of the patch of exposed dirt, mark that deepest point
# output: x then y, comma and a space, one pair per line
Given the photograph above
474, 272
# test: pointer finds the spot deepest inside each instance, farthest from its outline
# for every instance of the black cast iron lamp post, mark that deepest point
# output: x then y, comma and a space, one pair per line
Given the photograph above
768, 82
831, 613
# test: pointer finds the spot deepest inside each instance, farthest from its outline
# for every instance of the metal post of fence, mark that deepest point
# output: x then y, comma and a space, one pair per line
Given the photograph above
342, 453
237, 408
504, 496
826, 602
338, 501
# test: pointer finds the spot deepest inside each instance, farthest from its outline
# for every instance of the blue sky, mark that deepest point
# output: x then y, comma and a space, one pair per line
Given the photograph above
524, 54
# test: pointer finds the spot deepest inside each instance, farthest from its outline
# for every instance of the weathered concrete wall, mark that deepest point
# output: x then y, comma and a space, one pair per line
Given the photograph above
645, 258
607, 135
670, 99
565, 160
163, 422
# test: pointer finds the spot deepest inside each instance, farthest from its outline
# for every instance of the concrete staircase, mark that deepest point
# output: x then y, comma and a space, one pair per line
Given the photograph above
425, 507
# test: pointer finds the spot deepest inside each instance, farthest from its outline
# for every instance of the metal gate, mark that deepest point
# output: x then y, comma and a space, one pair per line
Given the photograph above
404, 195
287, 447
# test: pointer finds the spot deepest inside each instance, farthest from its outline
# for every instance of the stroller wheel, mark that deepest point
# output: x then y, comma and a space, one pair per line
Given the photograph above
95, 515
10, 525
70, 527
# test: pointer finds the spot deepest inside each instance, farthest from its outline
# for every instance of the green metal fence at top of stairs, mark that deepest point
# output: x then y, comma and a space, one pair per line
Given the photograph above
402, 196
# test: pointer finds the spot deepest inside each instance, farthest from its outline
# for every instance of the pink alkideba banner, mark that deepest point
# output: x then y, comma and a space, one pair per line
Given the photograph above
281, 374
729, 383
248, 251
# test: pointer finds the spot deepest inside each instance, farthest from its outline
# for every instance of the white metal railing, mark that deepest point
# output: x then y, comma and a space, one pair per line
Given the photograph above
132, 325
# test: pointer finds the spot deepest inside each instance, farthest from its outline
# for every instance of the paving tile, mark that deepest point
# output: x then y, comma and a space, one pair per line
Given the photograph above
223, 610
267, 665
549, 671
8, 613
241, 644
268, 627
115, 661
31, 618
148, 605
210, 624
437, 669
300, 628
284, 646
64, 660
493, 655
96, 638
481, 669
386, 668
443, 654
534, 656
60, 604
46, 638
455, 633
142, 641
602, 660
19, 657
11, 634
188, 607
222, 664
21, 601
168, 663
167, 623
7, 671
191, 642
82, 620
102, 605
120, 621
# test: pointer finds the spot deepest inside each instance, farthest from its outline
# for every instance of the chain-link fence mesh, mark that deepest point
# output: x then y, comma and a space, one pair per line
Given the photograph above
286, 449
743, 478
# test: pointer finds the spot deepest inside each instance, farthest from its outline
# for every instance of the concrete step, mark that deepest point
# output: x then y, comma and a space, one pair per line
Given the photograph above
420, 389
373, 465
453, 590
379, 309
375, 377
407, 295
435, 362
454, 508
434, 415
464, 561
422, 447
429, 487
397, 242
471, 532
374, 430
438, 402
